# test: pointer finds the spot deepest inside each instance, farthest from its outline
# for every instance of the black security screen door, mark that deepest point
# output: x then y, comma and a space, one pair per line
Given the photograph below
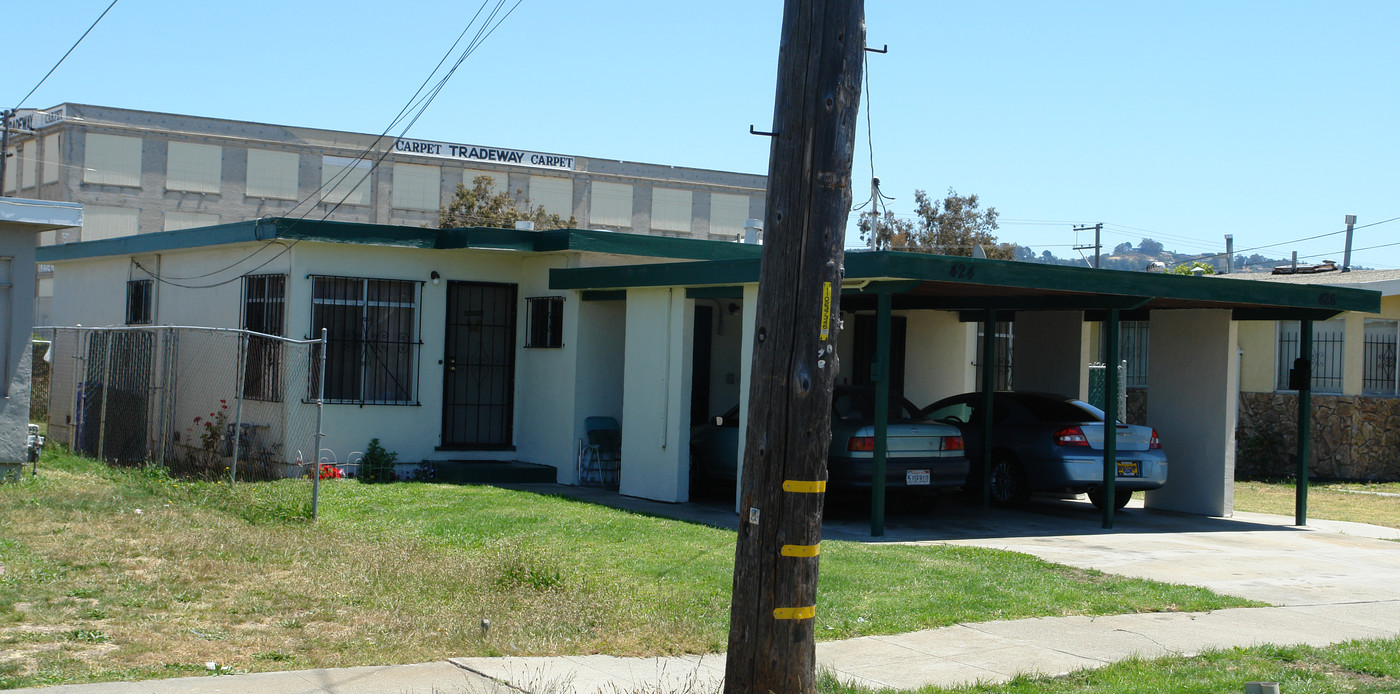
479, 366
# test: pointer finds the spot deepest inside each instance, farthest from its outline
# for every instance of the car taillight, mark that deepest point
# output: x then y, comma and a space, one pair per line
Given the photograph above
861, 443
952, 443
1155, 443
1071, 436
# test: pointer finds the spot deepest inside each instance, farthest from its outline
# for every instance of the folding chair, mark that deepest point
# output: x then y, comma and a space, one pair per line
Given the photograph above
600, 455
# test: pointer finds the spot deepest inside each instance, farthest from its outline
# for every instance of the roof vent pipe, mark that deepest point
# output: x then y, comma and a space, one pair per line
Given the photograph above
753, 230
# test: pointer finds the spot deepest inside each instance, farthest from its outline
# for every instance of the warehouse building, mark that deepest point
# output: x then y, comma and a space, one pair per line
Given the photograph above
137, 172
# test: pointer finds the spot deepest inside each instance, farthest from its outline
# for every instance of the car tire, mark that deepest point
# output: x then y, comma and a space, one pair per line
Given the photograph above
1121, 497
1009, 487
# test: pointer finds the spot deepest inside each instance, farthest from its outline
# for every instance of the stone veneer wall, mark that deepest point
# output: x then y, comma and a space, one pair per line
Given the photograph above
1353, 437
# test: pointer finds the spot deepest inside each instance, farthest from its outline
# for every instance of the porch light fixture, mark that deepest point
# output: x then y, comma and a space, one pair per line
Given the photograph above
435, 277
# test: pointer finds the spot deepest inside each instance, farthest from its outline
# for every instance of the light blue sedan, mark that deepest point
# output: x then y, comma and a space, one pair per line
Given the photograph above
1051, 443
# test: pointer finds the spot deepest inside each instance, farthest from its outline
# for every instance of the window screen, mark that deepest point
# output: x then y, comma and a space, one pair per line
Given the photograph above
345, 180
100, 222
175, 220
611, 204
272, 174
556, 195
544, 316
51, 158
193, 168
727, 213
417, 187
670, 209
112, 160
500, 181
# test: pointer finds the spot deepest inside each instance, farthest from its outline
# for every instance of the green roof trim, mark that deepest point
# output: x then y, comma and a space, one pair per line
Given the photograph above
555, 240
1008, 284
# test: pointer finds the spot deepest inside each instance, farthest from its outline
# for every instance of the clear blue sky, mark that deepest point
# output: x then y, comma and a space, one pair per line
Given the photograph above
1177, 121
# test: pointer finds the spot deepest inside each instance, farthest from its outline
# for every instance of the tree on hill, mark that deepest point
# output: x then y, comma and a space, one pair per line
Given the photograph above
951, 226
1150, 247
478, 206
1122, 248
1187, 268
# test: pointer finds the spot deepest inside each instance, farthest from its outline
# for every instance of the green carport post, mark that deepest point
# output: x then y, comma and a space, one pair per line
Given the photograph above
1110, 410
880, 374
1304, 383
989, 386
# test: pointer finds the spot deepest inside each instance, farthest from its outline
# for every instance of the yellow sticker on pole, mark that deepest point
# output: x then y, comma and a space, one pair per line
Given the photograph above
804, 487
795, 612
801, 550
826, 309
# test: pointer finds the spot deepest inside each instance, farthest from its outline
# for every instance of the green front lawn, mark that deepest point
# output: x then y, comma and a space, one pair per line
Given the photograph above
126, 574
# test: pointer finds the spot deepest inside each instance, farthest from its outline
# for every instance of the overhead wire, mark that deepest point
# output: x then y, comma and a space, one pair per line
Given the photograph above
418, 101
68, 53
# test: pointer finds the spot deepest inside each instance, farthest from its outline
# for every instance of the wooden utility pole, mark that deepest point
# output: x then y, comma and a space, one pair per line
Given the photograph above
771, 644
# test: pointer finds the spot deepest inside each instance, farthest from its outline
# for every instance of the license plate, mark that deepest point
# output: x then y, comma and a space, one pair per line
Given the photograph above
916, 478
1129, 468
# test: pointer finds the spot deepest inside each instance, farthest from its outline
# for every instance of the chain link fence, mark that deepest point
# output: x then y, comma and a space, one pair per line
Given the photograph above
1098, 383
203, 402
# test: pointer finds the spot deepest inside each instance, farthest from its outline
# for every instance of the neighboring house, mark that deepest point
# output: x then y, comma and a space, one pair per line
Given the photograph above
1356, 411
21, 221
138, 172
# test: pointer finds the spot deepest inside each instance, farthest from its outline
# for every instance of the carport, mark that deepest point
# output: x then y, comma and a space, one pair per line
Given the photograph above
1193, 366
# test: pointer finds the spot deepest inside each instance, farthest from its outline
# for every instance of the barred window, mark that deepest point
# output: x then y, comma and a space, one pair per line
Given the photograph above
373, 342
1378, 369
1327, 357
264, 310
1005, 339
545, 317
1133, 339
138, 301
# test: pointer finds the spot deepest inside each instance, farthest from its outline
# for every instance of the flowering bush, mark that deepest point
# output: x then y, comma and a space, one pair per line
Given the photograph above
330, 472
210, 433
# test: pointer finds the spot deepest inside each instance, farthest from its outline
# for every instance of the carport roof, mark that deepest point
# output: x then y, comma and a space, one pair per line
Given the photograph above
953, 283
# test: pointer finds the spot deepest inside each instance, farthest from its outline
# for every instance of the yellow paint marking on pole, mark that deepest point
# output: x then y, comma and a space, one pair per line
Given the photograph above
795, 612
801, 550
804, 487
826, 309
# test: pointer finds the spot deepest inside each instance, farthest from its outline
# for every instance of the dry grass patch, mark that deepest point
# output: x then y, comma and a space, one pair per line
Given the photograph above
93, 590
1325, 501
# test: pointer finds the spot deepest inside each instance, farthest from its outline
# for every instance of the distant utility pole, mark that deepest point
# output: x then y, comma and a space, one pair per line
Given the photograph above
1098, 247
1229, 253
1346, 258
7, 114
771, 641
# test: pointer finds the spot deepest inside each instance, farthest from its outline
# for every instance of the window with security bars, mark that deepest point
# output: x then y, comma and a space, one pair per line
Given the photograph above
372, 339
1005, 337
1379, 376
544, 316
139, 295
264, 310
1133, 339
1327, 357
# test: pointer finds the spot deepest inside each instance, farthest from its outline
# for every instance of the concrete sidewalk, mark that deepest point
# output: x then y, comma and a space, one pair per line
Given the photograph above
1326, 583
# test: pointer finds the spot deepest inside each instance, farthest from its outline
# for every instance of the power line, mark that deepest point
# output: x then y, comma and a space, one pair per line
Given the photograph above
65, 55
418, 101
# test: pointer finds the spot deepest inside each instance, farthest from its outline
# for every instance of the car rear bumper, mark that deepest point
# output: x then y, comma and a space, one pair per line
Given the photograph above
944, 473
1085, 472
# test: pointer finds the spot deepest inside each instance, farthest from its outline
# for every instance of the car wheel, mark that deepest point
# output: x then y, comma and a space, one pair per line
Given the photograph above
1009, 486
1121, 497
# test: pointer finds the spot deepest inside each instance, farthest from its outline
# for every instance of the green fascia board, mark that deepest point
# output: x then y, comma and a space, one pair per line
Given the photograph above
692, 274
581, 240
1006, 273
218, 235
